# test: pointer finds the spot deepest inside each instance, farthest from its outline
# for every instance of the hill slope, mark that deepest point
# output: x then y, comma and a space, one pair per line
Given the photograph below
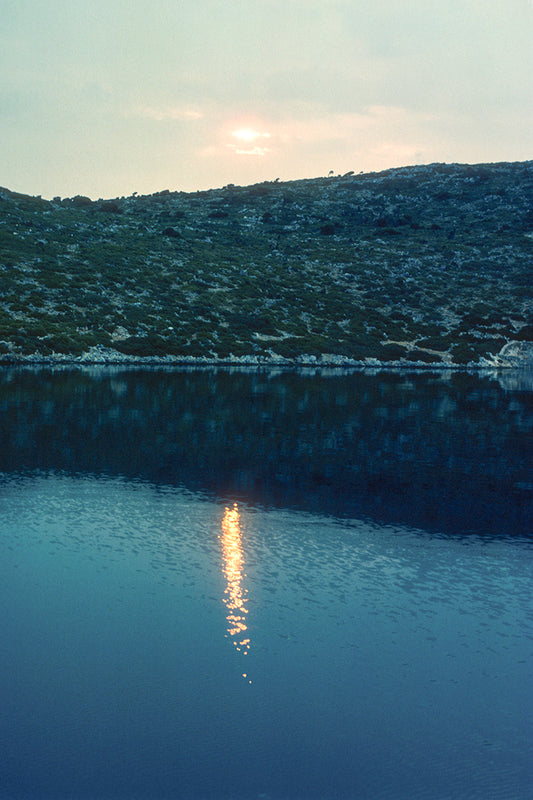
431, 263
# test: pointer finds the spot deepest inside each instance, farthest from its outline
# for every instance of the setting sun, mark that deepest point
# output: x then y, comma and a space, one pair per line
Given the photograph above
247, 134
248, 142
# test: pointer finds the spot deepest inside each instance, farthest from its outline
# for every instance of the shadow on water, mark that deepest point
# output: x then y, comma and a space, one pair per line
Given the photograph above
446, 452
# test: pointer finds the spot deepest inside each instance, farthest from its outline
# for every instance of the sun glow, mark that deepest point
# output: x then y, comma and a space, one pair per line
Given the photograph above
249, 141
247, 134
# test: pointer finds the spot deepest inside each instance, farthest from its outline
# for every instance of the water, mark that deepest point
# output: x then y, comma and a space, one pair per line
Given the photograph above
202, 599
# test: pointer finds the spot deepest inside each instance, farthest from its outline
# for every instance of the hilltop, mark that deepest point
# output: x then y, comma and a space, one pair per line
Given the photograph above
428, 264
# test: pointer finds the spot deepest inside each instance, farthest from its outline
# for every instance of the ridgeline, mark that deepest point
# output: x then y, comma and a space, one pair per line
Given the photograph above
430, 265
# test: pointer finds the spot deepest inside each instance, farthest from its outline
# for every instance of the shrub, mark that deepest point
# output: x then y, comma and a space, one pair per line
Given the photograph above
392, 352
287, 348
110, 207
142, 345
463, 352
435, 343
421, 355
79, 201
62, 343
525, 334
264, 324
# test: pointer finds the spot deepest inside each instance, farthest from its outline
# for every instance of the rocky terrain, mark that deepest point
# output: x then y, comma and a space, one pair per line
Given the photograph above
430, 265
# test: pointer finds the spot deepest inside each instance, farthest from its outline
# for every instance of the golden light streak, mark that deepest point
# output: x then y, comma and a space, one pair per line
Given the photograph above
235, 594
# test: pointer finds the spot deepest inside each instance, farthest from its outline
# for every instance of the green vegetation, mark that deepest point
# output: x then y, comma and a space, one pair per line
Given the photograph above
429, 263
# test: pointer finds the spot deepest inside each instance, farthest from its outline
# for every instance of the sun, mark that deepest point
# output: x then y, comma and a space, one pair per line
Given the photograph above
249, 140
246, 134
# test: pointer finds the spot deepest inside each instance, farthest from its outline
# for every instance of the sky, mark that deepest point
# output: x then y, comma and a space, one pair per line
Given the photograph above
105, 98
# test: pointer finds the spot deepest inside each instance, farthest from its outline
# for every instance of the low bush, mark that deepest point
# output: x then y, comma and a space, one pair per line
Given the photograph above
392, 352
421, 355
463, 352
525, 334
141, 346
441, 343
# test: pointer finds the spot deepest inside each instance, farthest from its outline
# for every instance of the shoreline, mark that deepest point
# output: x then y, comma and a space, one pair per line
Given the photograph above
514, 355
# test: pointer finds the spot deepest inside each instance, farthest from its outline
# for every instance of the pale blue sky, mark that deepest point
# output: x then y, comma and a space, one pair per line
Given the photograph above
108, 97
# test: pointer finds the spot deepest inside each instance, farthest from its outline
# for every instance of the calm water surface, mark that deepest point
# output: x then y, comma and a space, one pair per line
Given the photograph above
228, 607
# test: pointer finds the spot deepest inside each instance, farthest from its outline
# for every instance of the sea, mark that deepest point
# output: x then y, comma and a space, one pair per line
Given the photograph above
274, 584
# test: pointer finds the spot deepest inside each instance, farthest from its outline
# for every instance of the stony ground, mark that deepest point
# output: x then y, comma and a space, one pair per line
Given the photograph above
430, 264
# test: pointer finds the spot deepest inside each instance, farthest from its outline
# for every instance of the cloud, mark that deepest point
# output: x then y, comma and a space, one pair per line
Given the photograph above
249, 135
250, 151
310, 134
166, 113
314, 125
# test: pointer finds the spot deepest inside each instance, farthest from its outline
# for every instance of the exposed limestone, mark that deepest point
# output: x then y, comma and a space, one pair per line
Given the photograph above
512, 354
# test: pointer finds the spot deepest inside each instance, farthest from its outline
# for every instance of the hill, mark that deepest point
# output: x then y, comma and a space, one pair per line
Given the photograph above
429, 264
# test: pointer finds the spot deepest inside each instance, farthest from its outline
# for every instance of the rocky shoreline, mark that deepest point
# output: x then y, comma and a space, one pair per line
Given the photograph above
513, 355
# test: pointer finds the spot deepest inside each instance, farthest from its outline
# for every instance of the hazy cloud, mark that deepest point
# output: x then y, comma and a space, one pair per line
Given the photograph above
166, 113
85, 89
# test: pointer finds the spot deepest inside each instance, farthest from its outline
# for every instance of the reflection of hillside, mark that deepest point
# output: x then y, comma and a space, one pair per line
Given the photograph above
448, 453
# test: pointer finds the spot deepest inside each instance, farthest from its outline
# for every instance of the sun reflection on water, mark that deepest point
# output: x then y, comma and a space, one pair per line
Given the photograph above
235, 595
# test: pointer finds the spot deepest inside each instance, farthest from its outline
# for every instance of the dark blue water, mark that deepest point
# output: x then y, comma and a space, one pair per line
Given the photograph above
164, 640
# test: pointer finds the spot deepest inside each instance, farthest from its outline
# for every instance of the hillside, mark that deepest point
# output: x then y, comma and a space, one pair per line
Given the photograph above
428, 264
